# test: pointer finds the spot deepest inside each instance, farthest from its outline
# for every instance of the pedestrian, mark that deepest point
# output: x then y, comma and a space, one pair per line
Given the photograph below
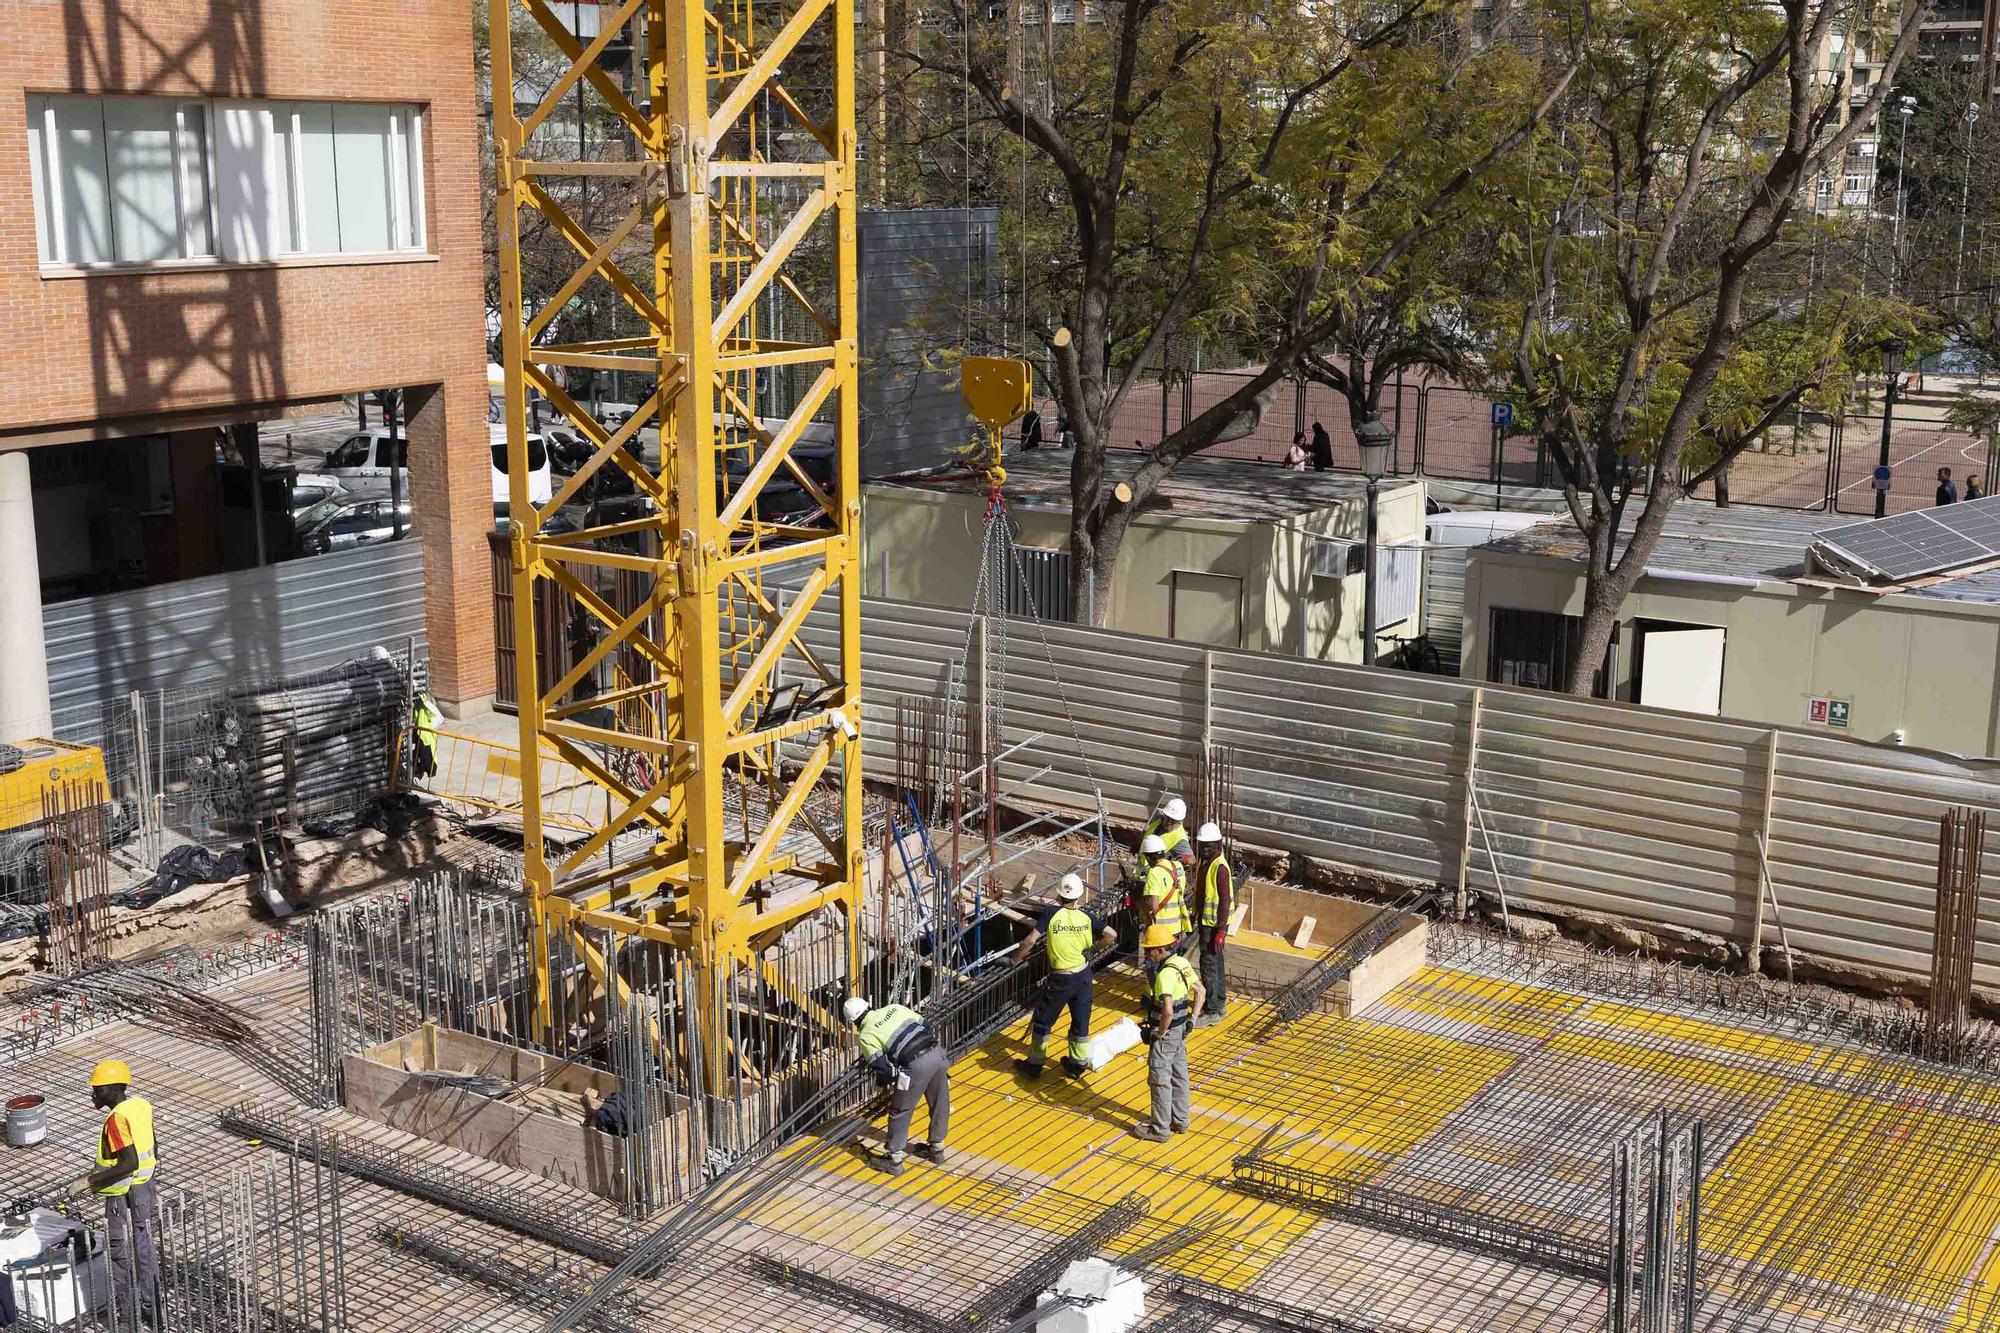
1213, 902
1031, 430
1064, 439
897, 1046
1322, 448
1161, 895
424, 719
1173, 994
1069, 931
1296, 456
127, 1157
1972, 491
1946, 492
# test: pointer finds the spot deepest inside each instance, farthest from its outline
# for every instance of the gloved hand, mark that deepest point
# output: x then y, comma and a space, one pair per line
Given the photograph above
1217, 937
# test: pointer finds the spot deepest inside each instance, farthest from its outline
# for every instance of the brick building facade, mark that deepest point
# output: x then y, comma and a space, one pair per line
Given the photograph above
217, 211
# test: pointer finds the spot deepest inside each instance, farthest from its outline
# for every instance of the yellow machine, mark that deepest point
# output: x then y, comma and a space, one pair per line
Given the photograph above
30, 767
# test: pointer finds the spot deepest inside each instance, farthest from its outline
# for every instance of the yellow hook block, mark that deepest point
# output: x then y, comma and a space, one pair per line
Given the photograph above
998, 390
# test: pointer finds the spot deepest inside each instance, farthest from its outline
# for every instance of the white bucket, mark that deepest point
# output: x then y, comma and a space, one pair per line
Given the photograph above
27, 1121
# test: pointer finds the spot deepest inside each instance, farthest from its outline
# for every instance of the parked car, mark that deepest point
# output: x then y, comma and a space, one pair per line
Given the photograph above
311, 488
350, 521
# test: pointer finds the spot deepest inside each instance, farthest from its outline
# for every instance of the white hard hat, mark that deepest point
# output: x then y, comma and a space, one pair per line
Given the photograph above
1208, 833
1152, 845
1174, 808
854, 1008
1070, 889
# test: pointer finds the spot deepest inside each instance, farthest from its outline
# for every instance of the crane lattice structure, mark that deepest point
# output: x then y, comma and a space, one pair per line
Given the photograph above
718, 831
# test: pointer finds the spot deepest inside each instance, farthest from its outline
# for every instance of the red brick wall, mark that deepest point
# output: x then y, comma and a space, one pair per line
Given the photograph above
127, 344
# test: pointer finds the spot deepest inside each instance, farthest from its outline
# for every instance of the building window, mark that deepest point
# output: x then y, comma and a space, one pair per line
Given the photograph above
1535, 649
143, 180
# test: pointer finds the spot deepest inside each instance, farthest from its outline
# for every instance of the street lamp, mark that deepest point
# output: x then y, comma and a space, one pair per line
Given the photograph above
1376, 441
1905, 108
1892, 366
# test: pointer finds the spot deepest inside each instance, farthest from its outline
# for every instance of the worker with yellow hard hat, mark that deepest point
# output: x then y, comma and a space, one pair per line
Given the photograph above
127, 1157
1173, 995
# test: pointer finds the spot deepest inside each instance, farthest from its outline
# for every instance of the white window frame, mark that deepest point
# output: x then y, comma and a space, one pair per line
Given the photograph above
407, 194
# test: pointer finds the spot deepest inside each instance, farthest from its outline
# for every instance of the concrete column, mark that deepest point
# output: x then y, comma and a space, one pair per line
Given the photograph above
24, 663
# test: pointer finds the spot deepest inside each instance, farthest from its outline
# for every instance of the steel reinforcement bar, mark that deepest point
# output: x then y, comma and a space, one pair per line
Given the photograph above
433, 1182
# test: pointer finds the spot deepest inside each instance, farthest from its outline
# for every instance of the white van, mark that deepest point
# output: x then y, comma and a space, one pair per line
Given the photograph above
540, 480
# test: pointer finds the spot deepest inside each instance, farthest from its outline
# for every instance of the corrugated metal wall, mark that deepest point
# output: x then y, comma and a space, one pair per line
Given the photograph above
255, 624
1444, 601
1645, 815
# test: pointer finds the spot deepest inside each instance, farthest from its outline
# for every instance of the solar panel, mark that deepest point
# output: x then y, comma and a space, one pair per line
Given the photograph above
1926, 541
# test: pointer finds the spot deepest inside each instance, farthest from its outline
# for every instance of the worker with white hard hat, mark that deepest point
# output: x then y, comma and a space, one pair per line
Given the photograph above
1068, 930
898, 1047
1161, 900
1170, 823
1212, 904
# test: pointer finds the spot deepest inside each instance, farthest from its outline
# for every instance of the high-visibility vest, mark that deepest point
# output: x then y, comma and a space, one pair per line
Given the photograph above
1162, 891
1172, 980
1069, 936
134, 1117
1211, 900
896, 1031
427, 718
1172, 837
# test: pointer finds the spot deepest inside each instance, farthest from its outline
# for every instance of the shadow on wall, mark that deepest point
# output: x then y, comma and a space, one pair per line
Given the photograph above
161, 340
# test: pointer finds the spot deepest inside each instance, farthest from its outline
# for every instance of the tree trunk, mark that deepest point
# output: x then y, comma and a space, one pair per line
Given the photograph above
1600, 617
1722, 489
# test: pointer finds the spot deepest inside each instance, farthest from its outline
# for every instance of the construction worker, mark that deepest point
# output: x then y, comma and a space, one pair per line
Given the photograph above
425, 715
1069, 932
1169, 823
1161, 899
1212, 903
1173, 994
897, 1046
126, 1159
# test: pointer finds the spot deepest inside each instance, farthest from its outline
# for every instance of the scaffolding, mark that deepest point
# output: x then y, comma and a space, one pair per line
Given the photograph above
734, 212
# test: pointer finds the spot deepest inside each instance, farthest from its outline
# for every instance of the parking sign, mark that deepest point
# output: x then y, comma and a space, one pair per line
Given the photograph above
1503, 415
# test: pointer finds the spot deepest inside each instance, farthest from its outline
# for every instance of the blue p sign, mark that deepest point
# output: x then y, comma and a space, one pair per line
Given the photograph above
1503, 415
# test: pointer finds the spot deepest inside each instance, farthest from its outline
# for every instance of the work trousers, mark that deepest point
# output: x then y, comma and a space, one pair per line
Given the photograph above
130, 1221
1167, 1076
1063, 990
928, 1079
1212, 978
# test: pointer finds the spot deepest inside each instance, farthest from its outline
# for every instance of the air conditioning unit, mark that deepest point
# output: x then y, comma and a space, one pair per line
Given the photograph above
1336, 559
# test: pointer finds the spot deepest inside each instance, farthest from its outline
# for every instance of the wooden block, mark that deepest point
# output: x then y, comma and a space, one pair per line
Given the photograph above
1236, 917
1302, 938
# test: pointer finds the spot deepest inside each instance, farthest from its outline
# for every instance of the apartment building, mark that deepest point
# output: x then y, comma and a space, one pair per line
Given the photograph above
227, 231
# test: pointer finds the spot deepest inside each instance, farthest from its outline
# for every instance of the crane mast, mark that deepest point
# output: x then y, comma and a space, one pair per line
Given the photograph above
657, 656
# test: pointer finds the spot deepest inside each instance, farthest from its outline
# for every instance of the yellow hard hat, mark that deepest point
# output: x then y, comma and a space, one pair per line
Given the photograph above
1158, 937
109, 1072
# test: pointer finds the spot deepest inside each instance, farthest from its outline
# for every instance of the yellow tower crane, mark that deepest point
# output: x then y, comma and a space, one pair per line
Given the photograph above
722, 211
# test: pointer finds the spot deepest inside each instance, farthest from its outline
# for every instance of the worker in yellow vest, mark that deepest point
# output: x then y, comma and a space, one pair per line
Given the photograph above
127, 1156
1069, 931
1161, 900
1169, 822
1213, 901
1173, 994
898, 1047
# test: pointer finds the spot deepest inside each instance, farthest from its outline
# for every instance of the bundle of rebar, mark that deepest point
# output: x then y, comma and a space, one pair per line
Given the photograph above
548, 1286
152, 995
313, 745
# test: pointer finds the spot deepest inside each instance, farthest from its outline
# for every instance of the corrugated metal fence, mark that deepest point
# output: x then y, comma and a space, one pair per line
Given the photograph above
254, 624
1649, 816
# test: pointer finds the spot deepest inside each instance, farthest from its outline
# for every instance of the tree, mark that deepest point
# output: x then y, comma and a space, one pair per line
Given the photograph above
1663, 331
1265, 176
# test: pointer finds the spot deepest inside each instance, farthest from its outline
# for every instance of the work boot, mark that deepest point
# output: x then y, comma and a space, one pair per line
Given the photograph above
1074, 1068
1149, 1134
1207, 1020
887, 1165
930, 1152
1028, 1069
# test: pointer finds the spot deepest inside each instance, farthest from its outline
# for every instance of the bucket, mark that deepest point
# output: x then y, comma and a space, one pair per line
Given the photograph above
27, 1121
